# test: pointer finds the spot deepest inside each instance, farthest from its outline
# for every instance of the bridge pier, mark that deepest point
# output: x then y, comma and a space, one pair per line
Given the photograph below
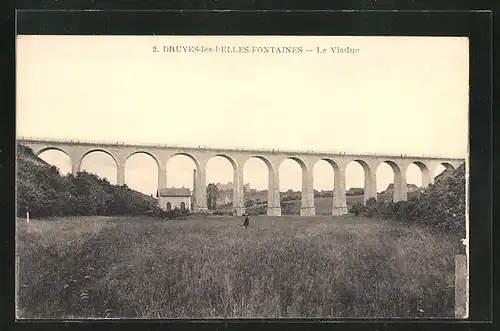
307, 196
162, 175
273, 197
400, 188
370, 184
75, 166
339, 197
338, 211
120, 173
200, 205
75, 157
273, 211
238, 191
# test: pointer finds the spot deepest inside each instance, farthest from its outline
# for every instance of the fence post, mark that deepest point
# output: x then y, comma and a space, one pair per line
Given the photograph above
28, 216
461, 294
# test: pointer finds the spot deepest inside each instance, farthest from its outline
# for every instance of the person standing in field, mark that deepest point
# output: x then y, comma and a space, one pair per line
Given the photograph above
246, 222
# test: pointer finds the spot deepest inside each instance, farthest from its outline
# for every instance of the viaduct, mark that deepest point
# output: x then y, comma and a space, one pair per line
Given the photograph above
76, 150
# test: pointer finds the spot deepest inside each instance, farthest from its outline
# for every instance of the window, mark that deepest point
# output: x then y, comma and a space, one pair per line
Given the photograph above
183, 205
169, 206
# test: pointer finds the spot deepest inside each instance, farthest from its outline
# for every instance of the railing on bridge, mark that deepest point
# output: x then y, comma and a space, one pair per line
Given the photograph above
262, 150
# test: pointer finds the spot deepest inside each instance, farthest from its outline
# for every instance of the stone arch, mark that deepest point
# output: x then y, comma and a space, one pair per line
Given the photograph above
191, 156
424, 170
270, 175
227, 157
223, 177
270, 167
268, 162
102, 150
144, 152
395, 167
60, 150
302, 163
98, 150
335, 166
369, 181
399, 188
51, 148
448, 167
322, 206
306, 188
143, 179
332, 163
303, 167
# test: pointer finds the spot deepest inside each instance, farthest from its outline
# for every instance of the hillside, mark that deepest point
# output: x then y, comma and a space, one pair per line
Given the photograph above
440, 206
43, 192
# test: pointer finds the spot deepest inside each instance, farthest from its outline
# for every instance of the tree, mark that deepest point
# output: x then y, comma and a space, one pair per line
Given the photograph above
212, 194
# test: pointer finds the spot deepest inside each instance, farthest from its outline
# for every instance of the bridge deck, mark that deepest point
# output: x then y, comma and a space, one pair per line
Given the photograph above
229, 149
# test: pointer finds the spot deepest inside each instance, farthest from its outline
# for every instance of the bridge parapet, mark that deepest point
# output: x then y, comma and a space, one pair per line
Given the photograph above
283, 152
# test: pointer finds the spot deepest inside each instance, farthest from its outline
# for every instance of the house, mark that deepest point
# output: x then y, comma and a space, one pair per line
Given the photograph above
229, 187
409, 188
223, 198
171, 198
326, 193
355, 191
291, 194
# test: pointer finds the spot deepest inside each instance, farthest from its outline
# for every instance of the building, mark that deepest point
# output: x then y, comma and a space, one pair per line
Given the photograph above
412, 188
171, 198
325, 193
223, 198
229, 186
390, 188
355, 191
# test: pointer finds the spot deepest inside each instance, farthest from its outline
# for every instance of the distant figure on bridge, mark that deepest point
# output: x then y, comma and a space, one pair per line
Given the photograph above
246, 222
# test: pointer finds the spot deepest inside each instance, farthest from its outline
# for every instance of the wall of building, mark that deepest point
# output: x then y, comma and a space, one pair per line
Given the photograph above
175, 202
223, 200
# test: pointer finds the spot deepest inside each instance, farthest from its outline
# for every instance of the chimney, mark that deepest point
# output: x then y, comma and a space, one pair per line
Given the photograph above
193, 195
194, 180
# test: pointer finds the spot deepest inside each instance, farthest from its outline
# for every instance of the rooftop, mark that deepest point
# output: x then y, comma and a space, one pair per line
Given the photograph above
174, 192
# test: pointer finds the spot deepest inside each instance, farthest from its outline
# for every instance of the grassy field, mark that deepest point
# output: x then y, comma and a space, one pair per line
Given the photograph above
209, 267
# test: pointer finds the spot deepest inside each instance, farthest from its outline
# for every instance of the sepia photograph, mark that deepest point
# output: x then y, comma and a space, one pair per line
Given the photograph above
238, 177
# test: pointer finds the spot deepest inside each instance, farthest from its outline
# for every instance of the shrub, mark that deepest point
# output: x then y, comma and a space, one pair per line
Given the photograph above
385, 209
401, 208
222, 212
357, 208
371, 202
440, 206
249, 203
43, 192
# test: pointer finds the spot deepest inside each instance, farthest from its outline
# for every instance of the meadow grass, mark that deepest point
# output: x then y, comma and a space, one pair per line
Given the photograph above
212, 267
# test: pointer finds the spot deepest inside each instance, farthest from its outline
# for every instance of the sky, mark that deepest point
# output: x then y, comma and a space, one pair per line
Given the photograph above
394, 95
